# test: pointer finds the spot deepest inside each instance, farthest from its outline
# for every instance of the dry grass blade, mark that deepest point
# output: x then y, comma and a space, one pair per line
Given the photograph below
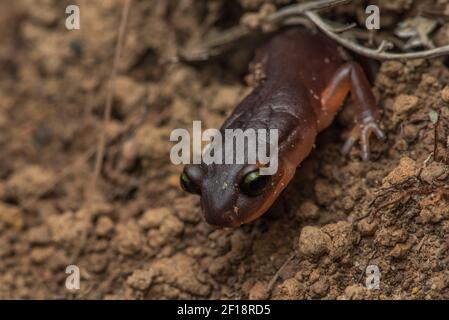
292, 15
286, 16
373, 53
108, 106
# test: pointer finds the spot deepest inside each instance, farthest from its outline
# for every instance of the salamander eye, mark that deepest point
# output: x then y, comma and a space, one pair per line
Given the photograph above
253, 183
188, 185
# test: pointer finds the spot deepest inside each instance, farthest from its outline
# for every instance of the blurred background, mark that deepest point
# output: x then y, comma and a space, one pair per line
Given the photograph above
134, 234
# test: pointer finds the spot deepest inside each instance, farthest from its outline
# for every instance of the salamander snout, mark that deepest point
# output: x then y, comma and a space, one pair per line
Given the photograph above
217, 199
223, 219
219, 208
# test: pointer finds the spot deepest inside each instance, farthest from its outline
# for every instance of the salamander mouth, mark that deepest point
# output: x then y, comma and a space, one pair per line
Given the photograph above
253, 216
226, 220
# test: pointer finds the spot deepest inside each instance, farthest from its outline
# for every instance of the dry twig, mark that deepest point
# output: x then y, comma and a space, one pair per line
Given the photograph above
286, 16
380, 53
108, 105
295, 14
273, 280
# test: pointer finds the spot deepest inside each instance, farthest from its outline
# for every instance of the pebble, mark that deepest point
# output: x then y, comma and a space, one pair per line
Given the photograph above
313, 241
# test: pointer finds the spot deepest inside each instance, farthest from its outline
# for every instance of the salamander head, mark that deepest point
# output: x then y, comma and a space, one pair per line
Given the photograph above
235, 194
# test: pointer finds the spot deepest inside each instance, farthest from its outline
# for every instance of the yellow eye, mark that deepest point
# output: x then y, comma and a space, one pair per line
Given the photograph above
188, 185
254, 184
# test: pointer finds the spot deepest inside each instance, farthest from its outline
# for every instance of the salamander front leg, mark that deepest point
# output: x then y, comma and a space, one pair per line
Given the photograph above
351, 78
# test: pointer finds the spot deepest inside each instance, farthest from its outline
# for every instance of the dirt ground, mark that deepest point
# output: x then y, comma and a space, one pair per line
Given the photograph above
137, 235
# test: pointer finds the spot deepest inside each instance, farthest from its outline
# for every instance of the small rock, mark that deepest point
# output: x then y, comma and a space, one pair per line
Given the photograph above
428, 80
313, 241
184, 273
440, 282
140, 279
98, 208
433, 214
404, 103
187, 208
314, 275
433, 116
129, 238
445, 94
29, 182
154, 217
308, 210
113, 129
290, 288
129, 93
410, 132
39, 235
128, 156
171, 227
324, 192
402, 106
319, 289
68, 227
355, 292
250, 20
182, 111
258, 291
434, 171
97, 263
104, 226
11, 216
388, 237
342, 238
366, 228
219, 266
44, 14
240, 244
40, 255
392, 68
406, 168
151, 143
399, 250
347, 203
155, 239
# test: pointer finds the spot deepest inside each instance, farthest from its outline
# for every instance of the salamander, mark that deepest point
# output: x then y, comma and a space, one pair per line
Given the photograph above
305, 82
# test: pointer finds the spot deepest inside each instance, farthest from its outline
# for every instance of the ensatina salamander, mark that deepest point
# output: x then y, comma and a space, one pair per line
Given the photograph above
306, 81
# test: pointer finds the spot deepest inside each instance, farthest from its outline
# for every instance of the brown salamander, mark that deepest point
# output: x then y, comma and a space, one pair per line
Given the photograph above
306, 81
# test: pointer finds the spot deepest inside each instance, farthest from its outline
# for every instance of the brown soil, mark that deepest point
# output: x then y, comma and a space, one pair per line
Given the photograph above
139, 236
